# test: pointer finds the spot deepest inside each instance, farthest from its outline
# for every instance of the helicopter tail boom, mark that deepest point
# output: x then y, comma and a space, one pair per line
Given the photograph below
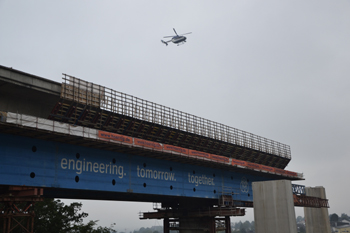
166, 43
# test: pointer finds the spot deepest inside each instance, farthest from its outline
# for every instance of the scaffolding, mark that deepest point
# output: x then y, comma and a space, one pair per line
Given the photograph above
17, 208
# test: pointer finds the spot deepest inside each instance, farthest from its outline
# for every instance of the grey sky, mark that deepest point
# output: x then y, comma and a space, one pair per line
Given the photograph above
278, 69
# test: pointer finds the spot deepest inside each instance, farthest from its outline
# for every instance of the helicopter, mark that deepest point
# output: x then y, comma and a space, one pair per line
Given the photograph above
177, 39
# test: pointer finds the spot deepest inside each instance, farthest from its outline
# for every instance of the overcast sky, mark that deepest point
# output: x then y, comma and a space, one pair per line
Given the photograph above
278, 69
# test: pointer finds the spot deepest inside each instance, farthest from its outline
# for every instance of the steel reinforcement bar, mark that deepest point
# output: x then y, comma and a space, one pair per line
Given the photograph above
88, 93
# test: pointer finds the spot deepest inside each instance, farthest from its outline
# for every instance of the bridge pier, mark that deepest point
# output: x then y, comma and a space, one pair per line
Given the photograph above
316, 219
274, 207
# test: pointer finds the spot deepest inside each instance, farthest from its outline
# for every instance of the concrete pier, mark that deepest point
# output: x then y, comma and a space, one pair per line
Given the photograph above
316, 219
274, 207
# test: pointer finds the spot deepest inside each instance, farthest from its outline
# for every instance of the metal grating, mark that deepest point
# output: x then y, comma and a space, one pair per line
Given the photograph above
90, 105
110, 100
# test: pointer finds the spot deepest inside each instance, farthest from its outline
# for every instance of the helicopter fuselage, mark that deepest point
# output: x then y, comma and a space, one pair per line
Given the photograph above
178, 39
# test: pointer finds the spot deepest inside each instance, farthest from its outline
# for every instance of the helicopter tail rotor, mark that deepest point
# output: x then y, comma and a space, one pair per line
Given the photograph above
164, 42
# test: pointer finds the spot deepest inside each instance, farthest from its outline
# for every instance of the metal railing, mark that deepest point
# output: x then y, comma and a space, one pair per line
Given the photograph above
117, 102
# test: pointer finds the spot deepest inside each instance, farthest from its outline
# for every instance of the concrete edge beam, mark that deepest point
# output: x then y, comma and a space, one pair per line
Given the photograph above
20, 78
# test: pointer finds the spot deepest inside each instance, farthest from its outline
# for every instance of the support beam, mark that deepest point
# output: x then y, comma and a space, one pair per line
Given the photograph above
227, 224
274, 207
166, 225
194, 213
316, 219
195, 219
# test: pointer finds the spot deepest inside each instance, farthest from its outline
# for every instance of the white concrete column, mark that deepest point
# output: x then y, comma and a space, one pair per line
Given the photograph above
316, 219
274, 207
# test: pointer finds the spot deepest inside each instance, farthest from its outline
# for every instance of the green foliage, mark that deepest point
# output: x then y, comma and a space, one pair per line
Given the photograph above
54, 216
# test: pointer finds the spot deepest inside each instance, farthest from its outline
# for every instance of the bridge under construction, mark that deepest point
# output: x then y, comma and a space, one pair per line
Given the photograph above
80, 140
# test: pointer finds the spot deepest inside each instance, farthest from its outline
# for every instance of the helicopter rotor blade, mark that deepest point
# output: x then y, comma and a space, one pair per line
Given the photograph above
175, 31
167, 36
185, 33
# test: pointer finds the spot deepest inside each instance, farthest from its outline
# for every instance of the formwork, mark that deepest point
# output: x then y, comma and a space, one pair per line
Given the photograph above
87, 104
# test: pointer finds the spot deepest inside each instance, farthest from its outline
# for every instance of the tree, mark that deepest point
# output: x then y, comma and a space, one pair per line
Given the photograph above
344, 217
334, 218
246, 225
54, 216
253, 226
300, 219
89, 228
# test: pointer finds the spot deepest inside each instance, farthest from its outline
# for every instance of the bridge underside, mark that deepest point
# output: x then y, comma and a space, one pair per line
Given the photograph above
178, 213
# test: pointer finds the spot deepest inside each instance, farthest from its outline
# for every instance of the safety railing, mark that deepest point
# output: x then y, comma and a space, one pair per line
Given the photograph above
117, 102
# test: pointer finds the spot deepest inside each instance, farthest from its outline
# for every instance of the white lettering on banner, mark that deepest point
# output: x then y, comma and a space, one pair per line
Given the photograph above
200, 180
155, 174
298, 189
86, 166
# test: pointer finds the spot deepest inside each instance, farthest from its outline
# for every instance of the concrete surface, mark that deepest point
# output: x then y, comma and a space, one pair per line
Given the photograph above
274, 207
27, 94
316, 219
